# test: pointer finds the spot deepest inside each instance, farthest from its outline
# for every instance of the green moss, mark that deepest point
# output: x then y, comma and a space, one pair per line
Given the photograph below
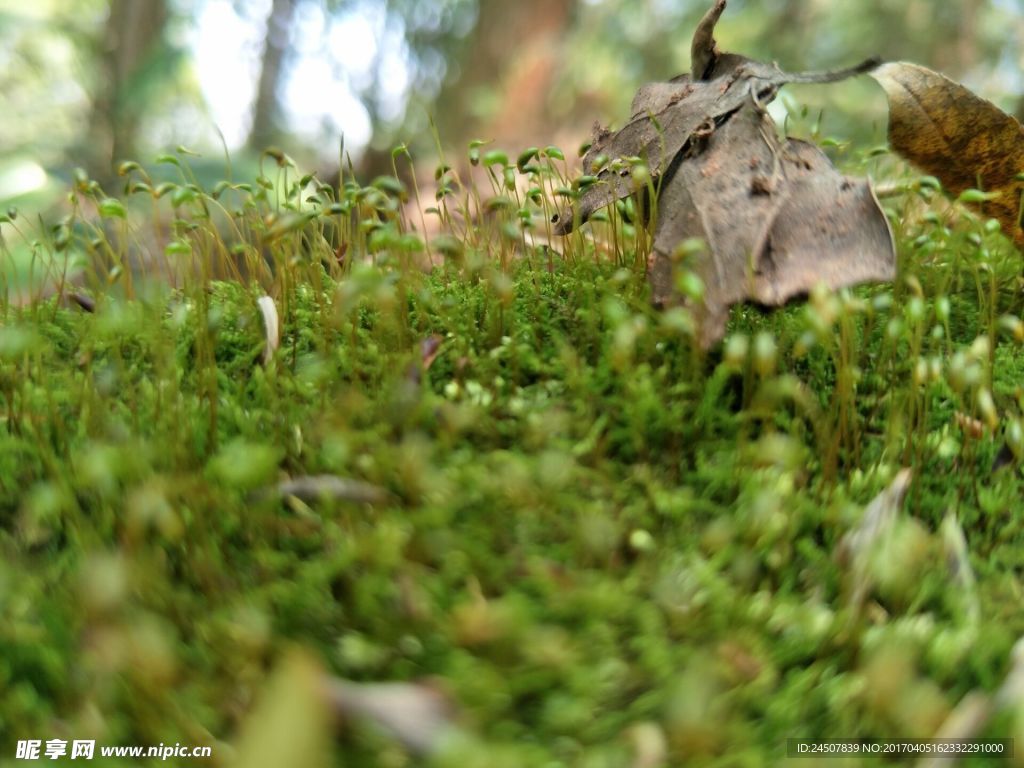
591, 527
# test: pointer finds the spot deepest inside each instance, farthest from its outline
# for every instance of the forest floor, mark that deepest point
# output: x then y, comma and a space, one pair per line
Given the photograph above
603, 545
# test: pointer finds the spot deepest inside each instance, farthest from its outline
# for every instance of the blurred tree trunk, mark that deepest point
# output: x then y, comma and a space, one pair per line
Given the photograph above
788, 29
967, 40
510, 65
266, 111
133, 34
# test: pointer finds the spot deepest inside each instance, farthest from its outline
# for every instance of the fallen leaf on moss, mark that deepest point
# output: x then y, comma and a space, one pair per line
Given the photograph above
963, 140
668, 118
777, 218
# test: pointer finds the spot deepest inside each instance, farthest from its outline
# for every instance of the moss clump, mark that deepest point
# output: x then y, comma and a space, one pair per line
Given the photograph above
599, 539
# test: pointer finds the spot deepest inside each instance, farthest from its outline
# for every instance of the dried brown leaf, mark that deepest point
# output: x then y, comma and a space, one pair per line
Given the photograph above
778, 219
961, 139
711, 197
666, 118
829, 229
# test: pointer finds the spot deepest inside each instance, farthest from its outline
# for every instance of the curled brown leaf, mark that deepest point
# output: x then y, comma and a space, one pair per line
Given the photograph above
777, 218
963, 140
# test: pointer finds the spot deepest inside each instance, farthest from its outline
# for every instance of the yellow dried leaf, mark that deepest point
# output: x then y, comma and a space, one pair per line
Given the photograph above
291, 722
965, 141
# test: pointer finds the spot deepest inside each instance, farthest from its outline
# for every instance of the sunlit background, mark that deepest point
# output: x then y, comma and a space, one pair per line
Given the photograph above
88, 83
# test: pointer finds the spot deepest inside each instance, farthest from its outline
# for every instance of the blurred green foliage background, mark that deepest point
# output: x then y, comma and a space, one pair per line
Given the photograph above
93, 82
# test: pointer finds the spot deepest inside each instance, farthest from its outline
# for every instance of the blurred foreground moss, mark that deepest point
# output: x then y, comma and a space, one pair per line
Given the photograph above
603, 547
